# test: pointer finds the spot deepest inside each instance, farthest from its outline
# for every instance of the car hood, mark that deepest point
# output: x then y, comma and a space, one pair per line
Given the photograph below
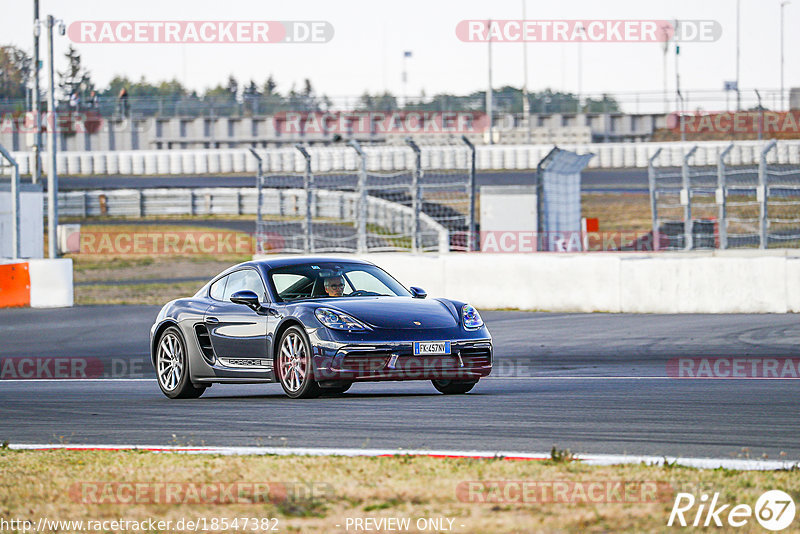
396, 312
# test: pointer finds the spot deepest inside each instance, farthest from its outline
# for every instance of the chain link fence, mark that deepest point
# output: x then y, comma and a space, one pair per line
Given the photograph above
429, 206
700, 205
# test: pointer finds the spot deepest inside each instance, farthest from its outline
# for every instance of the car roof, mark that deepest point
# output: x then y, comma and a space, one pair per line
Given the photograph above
285, 261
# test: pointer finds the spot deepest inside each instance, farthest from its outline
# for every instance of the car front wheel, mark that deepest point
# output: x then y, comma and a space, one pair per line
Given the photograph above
295, 365
453, 387
172, 367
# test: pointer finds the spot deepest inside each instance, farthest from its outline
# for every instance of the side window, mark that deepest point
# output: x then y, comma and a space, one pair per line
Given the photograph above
245, 279
217, 290
368, 282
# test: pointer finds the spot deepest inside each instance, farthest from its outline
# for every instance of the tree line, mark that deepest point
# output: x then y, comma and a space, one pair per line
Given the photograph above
75, 81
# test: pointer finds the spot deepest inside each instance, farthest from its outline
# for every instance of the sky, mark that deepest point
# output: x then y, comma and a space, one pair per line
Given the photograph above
366, 52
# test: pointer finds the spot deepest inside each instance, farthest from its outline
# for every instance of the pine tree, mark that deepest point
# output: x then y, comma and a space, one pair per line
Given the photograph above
75, 79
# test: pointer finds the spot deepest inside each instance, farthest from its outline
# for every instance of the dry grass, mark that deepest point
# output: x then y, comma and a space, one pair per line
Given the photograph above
618, 212
131, 294
36, 484
123, 267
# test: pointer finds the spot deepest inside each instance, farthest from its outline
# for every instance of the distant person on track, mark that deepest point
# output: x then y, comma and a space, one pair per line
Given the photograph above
123, 102
334, 286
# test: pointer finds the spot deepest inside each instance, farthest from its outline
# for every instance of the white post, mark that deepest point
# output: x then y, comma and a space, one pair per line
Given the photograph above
489, 110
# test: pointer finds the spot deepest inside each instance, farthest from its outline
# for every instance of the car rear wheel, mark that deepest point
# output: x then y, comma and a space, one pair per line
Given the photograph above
295, 367
172, 367
453, 387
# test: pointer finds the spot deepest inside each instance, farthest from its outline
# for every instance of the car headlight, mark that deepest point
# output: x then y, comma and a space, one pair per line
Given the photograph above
470, 317
338, 320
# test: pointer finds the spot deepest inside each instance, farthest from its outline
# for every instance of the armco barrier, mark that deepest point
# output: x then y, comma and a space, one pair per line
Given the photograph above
391, 158
36, 283
713, 282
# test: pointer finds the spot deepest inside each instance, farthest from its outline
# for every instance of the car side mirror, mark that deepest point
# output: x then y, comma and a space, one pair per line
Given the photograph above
418, 293
246, 297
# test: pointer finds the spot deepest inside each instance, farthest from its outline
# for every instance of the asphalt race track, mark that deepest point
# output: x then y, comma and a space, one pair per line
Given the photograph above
594, 383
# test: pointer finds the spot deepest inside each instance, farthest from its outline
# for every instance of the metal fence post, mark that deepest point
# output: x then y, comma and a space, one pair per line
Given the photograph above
651, 178
473, 241
362, 199
308, 184
259, 177
686, 200
762, 194
541, 243
722, 198
415, 193
15, 225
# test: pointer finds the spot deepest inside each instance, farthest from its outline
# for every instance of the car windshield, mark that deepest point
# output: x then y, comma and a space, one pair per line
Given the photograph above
331, 280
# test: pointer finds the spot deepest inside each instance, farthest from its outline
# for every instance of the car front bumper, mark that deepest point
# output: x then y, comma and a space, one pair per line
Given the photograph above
469, 359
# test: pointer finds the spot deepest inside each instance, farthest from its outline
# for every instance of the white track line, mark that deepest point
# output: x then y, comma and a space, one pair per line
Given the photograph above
589, 459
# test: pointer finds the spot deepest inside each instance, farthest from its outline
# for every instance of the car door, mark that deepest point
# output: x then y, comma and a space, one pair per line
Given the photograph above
237, 331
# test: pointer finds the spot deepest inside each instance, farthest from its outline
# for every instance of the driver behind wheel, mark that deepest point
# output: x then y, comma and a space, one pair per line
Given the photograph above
334, 286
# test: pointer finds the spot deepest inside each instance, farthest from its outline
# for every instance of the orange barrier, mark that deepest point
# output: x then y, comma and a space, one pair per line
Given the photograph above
15, 285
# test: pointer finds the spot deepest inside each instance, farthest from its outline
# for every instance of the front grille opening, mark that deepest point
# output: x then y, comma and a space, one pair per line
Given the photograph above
476, 357
365, 361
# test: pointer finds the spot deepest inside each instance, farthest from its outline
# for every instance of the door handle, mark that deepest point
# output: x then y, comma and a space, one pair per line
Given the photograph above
212, 320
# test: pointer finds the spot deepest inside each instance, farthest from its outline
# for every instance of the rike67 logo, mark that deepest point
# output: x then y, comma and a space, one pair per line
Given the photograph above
774, 510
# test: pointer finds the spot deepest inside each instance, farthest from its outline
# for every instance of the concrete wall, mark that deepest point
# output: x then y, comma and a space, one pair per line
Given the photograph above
394, 158
713, 282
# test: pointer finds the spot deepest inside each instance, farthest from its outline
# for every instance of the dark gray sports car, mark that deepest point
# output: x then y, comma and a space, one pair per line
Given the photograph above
316, 325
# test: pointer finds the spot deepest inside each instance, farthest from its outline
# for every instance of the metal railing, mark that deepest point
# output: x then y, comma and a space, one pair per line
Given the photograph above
428, 206
753, 202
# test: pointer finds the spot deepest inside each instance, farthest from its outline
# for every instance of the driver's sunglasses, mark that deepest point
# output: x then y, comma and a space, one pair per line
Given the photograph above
336, 285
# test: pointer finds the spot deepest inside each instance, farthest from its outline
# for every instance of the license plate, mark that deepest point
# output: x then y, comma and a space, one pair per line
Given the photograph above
423, 348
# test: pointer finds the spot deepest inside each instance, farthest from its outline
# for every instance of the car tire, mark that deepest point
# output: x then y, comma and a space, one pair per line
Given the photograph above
295, 365
172, 366
453, 387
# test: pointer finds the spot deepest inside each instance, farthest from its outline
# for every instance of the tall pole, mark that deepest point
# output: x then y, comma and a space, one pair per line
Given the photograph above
678, 94
580, 66
489, 110
664, 68
526, 110
783, 102
738, 94
37, 130
52, 177
405, 79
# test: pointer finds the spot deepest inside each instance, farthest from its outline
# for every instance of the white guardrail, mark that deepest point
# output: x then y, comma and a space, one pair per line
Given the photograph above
392, 158
334, 205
